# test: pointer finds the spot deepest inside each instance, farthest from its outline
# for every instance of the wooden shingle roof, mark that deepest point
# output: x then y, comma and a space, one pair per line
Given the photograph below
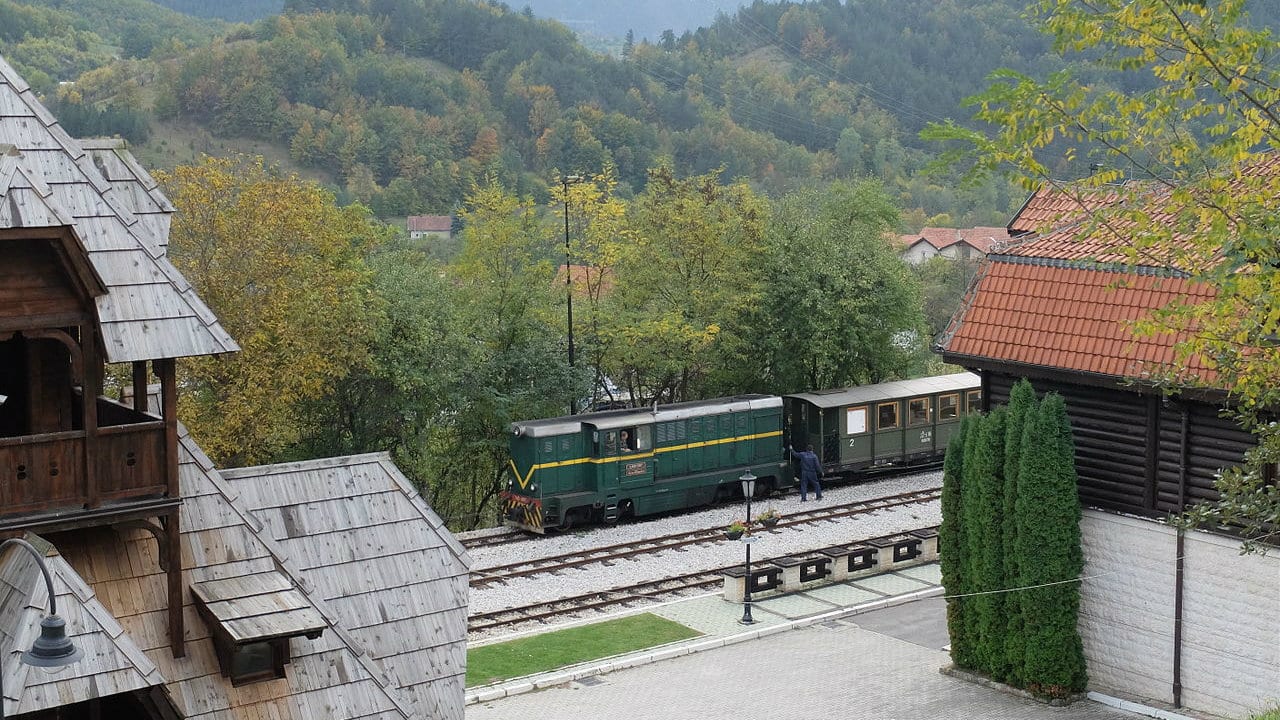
49, 180
112, 662
354, 528
383, 645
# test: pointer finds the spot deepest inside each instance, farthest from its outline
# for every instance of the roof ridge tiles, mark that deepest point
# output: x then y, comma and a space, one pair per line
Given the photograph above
1088, 264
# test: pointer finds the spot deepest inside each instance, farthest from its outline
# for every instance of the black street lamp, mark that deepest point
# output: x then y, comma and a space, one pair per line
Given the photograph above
568, 275
53, 649
748, 490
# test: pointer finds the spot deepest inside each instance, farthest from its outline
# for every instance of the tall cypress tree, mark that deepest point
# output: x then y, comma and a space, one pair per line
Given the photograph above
987, 542
951, 544
1049, 555
1022, 409
971, 551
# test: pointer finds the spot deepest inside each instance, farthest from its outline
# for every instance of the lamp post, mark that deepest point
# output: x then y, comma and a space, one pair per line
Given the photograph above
748, 490
53, 649
568, 276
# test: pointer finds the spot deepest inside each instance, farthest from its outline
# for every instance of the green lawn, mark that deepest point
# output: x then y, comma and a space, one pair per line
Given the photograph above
548, 651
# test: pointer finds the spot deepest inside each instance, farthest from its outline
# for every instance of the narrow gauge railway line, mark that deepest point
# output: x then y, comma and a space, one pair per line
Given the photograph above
598, 601
506, 538
651, 591
675, 541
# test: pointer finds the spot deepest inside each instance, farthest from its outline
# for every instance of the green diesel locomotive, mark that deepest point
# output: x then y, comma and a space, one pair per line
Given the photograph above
609, 465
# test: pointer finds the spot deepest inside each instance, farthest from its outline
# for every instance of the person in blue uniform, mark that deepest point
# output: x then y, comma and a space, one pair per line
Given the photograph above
810, 468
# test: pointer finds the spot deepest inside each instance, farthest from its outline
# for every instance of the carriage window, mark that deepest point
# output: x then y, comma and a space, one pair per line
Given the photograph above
973, 400
948, 406
918, 411
855, 420
887, 415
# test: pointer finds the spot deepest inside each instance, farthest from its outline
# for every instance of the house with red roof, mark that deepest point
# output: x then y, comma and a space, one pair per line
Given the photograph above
1166, 616
439, 227
954, 243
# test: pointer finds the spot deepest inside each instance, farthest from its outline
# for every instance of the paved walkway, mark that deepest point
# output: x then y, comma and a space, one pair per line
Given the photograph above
868, 649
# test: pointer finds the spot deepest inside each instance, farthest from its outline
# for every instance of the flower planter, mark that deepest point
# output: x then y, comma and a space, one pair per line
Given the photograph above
733, 534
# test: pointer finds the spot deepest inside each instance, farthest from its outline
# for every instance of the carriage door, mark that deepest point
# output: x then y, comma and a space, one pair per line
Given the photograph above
919, 436
604, 459
856, 449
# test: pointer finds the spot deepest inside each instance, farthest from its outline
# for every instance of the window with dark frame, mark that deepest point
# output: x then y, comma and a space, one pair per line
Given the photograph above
973, 400
948, 406
887, 416
251, 662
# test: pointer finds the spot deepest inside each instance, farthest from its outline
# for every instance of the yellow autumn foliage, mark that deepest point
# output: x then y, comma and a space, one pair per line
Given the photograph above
281, 266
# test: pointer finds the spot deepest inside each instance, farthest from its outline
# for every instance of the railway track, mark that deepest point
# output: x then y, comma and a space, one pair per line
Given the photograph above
652, 591
676, 541
504, 538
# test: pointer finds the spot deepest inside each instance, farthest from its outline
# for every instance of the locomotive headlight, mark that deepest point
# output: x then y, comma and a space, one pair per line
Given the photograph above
533, 488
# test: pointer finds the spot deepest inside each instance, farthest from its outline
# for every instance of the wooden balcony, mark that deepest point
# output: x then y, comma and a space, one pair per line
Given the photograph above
118, 464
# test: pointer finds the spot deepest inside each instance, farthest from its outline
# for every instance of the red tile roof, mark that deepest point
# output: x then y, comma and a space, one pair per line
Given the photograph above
1067, 299
1042, 313
430, 223
980, 238
1054, 206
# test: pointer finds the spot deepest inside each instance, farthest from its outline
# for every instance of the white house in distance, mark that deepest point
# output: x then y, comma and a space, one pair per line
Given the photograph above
955, 243
439, 227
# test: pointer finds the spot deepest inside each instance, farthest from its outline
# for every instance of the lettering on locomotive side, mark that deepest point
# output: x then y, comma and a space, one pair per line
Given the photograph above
926, 436
635, 468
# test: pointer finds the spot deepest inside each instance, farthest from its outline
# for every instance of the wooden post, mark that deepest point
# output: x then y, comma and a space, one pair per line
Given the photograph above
167, 370
89, 385
173, 538
140, 385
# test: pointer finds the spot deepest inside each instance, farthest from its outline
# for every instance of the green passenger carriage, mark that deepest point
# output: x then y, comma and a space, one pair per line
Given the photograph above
890, 424
603, 466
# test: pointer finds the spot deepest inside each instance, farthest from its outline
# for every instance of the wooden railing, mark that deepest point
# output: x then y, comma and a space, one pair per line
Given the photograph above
63, 471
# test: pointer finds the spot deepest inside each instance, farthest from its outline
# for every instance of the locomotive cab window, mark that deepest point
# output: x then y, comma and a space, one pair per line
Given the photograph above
606, 442
855, 420
643, 438
948, 406
887, 416
918, 411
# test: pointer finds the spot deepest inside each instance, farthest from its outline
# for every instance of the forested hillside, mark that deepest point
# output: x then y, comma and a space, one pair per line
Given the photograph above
406, 104
644, 19
232, 10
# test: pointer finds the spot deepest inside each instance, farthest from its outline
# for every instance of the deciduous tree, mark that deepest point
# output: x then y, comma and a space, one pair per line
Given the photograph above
281, 266
1203, 130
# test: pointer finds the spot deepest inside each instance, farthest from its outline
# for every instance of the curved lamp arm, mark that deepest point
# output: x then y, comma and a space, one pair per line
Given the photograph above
44, 569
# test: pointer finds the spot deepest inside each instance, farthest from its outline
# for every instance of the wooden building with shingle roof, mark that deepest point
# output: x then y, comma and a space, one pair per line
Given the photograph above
189, 600
1168, 617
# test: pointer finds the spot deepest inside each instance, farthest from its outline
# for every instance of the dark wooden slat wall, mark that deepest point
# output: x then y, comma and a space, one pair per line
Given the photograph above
1140, 453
